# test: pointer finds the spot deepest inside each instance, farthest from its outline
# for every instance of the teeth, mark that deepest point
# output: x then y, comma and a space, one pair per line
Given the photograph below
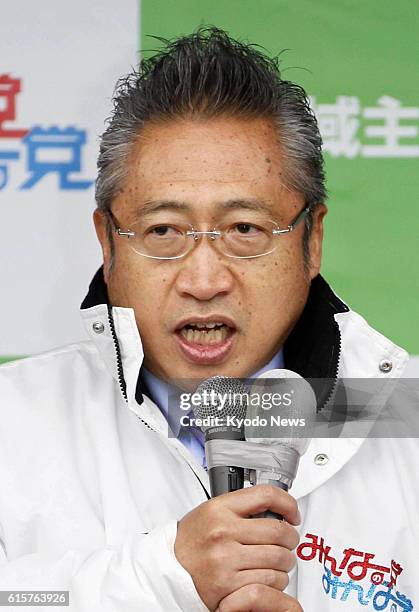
212, 336
206, 325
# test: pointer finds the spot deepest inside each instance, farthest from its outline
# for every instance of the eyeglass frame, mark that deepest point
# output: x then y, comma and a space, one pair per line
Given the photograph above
213, 234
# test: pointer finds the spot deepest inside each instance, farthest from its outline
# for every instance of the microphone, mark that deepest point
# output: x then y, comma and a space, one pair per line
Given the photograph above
299, 400
222, 409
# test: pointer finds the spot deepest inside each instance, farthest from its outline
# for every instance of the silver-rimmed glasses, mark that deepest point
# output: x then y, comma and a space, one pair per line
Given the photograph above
246, 238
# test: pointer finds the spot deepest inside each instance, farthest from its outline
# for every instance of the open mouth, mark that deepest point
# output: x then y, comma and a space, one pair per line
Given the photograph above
205, 333
205, 342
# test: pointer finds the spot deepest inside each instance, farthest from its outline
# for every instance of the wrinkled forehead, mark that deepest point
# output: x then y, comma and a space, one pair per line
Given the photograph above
207, 163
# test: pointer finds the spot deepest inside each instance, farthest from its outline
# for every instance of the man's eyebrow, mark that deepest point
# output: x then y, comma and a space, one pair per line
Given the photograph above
154, 206
247, 203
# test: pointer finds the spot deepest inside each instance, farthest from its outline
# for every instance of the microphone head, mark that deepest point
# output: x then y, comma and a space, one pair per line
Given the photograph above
288, 418
221, 397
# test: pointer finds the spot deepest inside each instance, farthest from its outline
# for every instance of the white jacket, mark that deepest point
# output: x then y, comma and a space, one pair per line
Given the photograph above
91, 487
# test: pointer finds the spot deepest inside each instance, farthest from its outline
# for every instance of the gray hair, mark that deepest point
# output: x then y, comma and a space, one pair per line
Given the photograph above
209, 74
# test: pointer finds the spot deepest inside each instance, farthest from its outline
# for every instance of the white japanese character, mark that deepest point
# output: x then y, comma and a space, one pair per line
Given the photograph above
338, 124
391, 112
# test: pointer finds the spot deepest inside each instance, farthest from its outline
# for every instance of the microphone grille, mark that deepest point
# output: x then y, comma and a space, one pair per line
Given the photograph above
221, 396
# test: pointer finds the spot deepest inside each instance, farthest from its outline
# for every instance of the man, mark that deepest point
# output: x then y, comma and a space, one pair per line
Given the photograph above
209, 154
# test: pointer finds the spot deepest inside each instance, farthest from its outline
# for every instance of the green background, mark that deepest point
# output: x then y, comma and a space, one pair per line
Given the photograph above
364, 49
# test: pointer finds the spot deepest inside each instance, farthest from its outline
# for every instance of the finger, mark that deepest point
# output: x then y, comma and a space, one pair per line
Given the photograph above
266, 557
266, 531
259, 498
258, 598
268, 577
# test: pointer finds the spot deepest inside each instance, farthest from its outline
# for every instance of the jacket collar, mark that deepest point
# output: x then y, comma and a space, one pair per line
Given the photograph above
98, 291
312, 349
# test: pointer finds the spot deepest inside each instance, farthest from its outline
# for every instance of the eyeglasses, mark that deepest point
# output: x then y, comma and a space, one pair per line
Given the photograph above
245, 238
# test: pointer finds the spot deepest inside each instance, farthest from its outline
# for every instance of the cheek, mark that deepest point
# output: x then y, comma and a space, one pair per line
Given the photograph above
278, 293
128, 284
149, 296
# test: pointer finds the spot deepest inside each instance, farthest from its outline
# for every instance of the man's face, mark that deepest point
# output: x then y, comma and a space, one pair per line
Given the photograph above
200, 167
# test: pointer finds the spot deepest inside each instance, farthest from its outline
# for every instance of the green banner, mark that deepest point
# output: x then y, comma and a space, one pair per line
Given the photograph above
356, 61
4, 359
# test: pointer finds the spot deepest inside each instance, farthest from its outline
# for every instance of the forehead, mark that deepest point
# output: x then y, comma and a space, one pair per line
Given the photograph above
205, 162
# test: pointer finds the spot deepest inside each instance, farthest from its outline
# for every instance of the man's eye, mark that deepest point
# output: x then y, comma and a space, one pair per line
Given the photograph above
162, 230
245, 228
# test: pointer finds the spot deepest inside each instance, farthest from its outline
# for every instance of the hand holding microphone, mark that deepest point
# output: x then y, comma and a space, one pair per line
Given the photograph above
237, 563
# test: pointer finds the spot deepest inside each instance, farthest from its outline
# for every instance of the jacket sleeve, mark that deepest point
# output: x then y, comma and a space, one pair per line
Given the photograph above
141, 575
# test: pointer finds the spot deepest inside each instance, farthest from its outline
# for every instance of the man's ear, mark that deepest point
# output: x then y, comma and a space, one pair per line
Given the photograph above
101, 225
316, 240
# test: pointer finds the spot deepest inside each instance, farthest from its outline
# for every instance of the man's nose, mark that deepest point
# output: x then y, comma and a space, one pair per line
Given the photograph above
204, 273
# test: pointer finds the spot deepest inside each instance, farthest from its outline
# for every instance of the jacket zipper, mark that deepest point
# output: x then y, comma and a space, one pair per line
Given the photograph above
123, 384
121, 379
120, 371
328, 399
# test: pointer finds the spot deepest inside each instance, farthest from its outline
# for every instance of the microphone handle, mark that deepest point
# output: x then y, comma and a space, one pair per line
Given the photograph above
224, 479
